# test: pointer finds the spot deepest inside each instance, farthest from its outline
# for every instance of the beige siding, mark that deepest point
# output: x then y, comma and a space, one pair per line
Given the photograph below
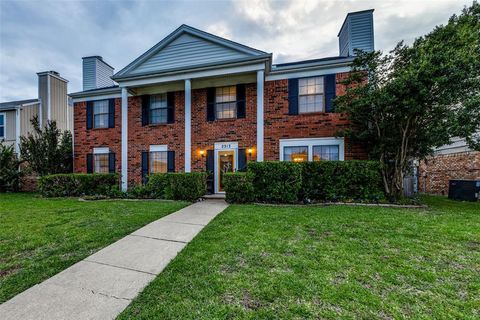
9, 126
26, 115
43, 95
58, 94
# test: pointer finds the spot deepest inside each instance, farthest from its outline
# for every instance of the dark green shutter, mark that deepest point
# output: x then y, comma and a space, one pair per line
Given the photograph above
145, 109
111, 113
242, 160
111, 162
170, 107
292, 96
170, 161
241, 101
145, 165
89, 163
330, 91
89, 114
210, 104
210, 171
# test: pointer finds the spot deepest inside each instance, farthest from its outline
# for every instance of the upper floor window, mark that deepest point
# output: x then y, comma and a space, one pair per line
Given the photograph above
2, 125
226, 102
158, 110
100, 114
311, 95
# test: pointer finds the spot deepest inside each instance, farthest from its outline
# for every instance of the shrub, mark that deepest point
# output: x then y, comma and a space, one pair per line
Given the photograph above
76, 184
9, 169
239, 187
275, 181
178, 186
341, 180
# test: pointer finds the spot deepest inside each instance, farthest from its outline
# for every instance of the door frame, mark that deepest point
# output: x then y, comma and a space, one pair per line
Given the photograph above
219, 147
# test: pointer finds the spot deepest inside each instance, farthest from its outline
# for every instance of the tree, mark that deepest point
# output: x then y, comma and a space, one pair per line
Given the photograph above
47, 150
404, 104
10, 173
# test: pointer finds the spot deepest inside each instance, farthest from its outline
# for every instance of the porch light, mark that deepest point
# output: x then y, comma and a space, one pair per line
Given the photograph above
202, 153
250, 151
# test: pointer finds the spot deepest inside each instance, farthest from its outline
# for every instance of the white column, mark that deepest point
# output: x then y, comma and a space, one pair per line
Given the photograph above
260, 123
188, 125
17, 130
124, 139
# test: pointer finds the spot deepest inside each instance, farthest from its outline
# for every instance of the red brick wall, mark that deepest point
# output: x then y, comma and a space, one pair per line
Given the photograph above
206, 133
280, 125
435, 172
85, 140
141, 137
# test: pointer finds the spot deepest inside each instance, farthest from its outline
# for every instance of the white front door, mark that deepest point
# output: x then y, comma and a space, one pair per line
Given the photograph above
226, 160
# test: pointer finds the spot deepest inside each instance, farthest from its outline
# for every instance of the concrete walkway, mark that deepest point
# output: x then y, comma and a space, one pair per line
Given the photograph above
104, 284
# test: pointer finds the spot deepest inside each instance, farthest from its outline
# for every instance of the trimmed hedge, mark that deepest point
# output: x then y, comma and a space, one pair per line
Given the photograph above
239, 187
78, 184
341, 180
276, 181
288, 182
177, 186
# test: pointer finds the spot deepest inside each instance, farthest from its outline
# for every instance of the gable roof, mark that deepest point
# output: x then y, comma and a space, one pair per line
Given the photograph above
10, 105
185, 48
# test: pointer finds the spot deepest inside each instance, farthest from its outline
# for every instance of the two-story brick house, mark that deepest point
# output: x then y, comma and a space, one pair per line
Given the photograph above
197, 102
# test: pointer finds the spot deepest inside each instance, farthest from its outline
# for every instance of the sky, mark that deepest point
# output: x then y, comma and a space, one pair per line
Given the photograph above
41, 35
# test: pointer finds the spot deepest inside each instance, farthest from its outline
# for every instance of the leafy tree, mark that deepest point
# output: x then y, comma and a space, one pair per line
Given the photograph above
47, 150
417, 97
10, 173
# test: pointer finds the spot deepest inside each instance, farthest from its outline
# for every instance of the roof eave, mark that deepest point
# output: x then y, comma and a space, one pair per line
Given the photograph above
93, 93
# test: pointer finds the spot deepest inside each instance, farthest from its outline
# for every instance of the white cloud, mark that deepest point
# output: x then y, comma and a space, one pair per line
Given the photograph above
39, 36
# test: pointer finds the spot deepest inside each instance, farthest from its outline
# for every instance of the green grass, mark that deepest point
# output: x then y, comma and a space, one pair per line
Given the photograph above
40, 237
261, 262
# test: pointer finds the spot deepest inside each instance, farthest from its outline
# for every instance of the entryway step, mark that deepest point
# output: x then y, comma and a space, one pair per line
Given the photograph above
214, 196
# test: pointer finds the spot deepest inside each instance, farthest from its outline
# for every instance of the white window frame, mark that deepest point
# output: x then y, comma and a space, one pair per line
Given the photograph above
157, 148
101, 114
310, 143
306, 95
224, 103
163, 97
4, 114
99, 151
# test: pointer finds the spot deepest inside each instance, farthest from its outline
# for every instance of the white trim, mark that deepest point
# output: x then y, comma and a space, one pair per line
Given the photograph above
188, 125
101, 150
260, 115
17, 131
124, 129
221, 147
158, 148
310, 142
4, 114
311, 72
195, 74
99, 97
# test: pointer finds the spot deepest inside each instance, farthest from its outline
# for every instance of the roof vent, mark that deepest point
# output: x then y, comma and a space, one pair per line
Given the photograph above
96, 73
356, 33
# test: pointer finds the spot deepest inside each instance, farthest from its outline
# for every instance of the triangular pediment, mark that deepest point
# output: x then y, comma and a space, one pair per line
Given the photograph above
188, 48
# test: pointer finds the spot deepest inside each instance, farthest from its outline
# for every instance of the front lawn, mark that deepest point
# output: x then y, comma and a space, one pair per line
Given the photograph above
41, 237
266, 262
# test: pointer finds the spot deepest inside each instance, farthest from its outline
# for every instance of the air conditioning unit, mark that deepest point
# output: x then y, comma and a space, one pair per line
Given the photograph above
464, 190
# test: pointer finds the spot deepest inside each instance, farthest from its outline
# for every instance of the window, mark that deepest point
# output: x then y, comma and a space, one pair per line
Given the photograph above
295, 154
158, 161
310, 95
100, 114
225, 102
326, 153
101, 163
158, 112
2, 125
312, 149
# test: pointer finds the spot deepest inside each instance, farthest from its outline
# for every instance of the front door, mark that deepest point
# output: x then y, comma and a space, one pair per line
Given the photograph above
226, 163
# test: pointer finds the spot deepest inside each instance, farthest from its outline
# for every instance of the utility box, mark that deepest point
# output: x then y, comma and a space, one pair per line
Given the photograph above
464, 190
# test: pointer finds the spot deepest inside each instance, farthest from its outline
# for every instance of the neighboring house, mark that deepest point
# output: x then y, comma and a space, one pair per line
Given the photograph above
51, 104
197, 102
450, 162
